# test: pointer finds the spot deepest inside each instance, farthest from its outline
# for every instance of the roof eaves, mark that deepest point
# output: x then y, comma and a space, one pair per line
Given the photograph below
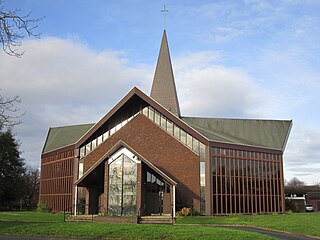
246, 145
56, 149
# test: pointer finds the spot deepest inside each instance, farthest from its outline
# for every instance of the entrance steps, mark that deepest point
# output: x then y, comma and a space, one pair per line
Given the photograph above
156, 219
81, 218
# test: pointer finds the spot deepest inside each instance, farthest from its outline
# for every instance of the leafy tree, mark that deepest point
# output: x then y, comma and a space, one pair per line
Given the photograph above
11, 170
13, 28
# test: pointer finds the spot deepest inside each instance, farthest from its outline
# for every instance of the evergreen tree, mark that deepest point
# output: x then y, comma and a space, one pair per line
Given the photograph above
11, 171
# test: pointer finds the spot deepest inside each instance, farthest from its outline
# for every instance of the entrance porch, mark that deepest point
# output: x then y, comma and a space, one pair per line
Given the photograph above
125, 184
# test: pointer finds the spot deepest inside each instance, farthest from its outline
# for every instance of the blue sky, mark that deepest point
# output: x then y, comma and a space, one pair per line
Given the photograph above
235, 59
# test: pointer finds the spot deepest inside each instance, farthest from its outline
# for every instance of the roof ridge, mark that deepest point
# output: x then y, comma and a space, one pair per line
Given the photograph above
73, 125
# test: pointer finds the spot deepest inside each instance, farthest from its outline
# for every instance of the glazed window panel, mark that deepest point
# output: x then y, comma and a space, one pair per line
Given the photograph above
129, 186
115, 187
163, 122
195, 145
202, 174
169, 127
202, 151
118, 126
99, 140
82, 152
80, 170
145, 111
122, 186
94, 144
151, 114
189, 140
183, 137
202, 200
124, 122
105, 135
157, 117
176, 131
112, 131
213, 165
88, 148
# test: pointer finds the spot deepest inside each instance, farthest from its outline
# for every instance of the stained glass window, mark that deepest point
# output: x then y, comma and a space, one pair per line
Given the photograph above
122, 186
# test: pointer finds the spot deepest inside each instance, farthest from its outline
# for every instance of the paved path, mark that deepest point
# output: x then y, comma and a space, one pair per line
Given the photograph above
277, 235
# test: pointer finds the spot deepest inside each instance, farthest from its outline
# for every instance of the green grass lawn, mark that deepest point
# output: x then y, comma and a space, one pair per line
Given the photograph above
123, 231
31, 216
47, 224
300, 223
42, 224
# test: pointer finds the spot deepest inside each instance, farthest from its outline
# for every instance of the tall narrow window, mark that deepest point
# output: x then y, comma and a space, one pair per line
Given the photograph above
176, 132
99, 140
163, 122
94, 144
157, 117
189, 141
202, 174
88, 148
122, 186
82, 152
169, 127
183, 136
80, 170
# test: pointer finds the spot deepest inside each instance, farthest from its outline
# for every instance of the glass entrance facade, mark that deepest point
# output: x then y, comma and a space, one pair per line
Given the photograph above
122, 186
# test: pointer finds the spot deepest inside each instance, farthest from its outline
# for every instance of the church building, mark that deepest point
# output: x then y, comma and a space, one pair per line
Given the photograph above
144, 157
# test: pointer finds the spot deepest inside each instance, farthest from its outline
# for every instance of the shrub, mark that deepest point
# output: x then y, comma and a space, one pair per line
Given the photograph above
184, 212
43, 207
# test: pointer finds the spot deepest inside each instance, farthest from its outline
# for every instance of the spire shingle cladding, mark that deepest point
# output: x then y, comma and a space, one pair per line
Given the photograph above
163, 86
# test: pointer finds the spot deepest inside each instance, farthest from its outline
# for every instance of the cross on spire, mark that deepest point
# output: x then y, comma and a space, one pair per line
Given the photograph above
164, 11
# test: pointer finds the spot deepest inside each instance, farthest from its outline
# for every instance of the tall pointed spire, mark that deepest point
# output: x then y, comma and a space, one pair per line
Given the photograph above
163, 86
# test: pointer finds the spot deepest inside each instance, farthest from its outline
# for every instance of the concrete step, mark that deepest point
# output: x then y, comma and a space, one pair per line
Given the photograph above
156, 220
81, 218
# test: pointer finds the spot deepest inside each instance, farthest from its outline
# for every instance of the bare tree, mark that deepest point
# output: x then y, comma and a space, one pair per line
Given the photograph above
13, 28
295, 182
9, 112
31, 187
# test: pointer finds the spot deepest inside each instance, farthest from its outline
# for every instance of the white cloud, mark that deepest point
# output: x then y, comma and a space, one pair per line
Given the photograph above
208, 89
63, 82
302, 155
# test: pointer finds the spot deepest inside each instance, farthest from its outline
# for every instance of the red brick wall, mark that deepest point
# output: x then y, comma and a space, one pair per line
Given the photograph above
161, 149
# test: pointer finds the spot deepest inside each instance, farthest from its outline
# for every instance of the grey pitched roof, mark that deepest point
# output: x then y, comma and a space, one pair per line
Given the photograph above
271, 134
59, 137
163, 87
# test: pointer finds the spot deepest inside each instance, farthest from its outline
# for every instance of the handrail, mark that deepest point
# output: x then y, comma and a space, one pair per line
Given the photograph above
70, 211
